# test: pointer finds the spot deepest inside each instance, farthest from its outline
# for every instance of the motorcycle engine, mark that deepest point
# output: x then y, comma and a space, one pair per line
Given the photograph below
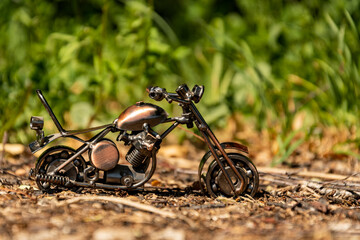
142, 146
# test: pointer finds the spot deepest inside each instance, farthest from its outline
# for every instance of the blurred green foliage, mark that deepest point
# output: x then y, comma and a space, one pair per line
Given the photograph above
268, 60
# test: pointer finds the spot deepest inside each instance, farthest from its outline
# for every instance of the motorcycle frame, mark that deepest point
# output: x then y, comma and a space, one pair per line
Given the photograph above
191, 114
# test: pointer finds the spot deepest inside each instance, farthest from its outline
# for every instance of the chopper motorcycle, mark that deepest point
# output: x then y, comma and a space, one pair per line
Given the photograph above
228, 172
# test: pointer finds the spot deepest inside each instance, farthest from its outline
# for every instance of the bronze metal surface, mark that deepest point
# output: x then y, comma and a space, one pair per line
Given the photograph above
134, 117
104, 155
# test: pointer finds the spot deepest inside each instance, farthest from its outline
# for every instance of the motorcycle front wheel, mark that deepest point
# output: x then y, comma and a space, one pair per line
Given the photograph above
217, 184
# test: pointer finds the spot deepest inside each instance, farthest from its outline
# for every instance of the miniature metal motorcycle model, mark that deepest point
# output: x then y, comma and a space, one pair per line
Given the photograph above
229, 172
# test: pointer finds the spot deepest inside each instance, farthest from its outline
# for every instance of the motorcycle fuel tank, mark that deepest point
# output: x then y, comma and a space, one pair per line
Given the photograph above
134, 117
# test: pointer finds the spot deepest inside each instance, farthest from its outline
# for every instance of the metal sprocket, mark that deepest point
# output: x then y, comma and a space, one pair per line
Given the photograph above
52, 158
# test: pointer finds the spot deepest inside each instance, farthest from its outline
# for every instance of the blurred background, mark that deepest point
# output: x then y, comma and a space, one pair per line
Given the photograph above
286, 70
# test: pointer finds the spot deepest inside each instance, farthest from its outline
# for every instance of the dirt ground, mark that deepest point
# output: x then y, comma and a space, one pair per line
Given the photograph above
287, 206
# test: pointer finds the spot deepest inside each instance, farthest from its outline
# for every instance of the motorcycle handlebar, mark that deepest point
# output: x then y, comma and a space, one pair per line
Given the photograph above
182, 92
156, 93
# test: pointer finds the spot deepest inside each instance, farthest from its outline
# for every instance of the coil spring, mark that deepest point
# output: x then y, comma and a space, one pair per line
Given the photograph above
135, 157
58, 180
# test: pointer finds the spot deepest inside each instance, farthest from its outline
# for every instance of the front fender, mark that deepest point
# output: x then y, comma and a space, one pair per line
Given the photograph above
226, 146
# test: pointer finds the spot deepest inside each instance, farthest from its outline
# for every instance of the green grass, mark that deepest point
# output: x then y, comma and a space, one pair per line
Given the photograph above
267, 60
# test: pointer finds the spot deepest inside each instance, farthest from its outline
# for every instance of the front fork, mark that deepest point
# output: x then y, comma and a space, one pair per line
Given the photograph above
215, 147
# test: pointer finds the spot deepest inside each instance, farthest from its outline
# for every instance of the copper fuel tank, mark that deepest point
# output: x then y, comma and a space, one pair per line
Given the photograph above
134, 117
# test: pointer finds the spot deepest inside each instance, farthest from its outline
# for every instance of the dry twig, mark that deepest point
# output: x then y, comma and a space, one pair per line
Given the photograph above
123, 201
308, 174
129, 203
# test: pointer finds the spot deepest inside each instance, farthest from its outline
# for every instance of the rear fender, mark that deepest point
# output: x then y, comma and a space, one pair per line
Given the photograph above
38, 145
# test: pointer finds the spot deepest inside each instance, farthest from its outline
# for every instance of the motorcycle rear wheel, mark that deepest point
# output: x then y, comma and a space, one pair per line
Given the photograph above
51, 159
